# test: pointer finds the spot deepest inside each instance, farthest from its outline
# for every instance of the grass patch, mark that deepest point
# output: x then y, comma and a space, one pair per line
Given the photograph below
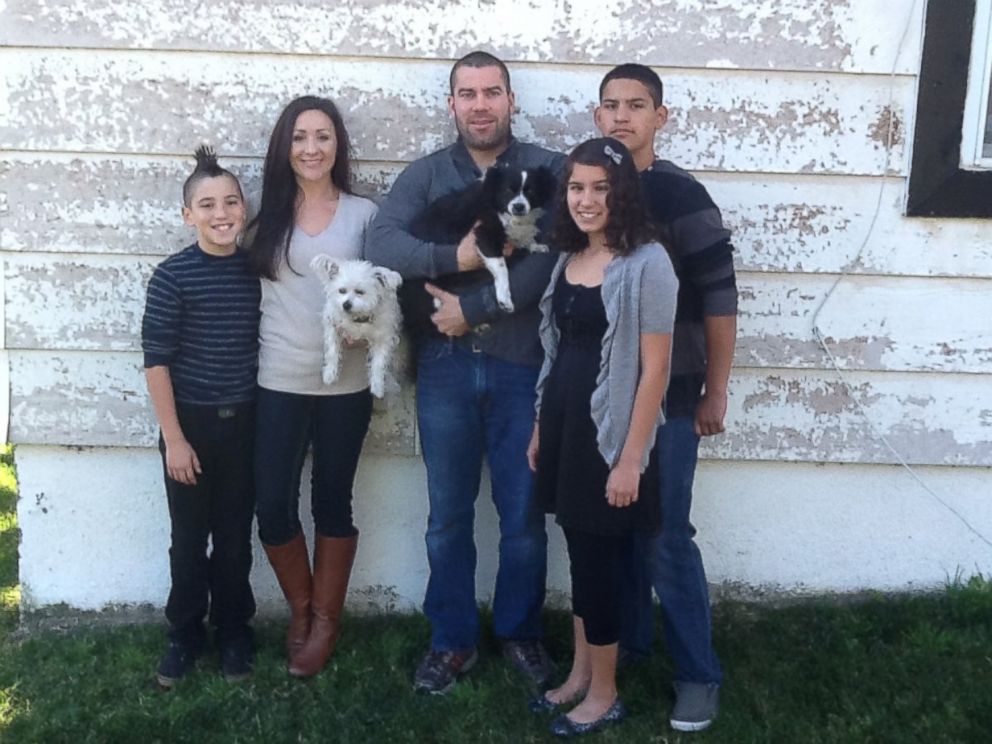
886, 669
10, 595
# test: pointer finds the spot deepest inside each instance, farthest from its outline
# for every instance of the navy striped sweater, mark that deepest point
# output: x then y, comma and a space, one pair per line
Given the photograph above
699, 245
201, 321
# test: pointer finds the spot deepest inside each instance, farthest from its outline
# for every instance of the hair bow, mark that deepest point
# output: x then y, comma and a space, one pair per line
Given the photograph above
612, 155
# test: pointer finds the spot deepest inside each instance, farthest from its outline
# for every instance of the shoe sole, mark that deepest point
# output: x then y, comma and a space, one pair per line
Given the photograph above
690, 726
466, 668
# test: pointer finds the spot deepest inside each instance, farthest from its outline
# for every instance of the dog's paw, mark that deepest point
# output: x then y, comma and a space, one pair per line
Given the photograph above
505, 305
329, 375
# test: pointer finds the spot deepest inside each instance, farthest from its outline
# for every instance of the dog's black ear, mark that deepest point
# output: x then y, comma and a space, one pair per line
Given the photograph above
494, 178
544, 182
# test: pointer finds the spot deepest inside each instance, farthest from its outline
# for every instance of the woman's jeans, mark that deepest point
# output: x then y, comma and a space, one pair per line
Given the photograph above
470, 405
287, 425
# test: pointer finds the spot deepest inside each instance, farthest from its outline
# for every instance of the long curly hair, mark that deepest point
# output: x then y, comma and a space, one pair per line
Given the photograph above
272, 228
627, 226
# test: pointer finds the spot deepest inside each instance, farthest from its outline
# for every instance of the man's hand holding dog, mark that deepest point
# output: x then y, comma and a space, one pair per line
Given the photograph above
468, 254
448, 318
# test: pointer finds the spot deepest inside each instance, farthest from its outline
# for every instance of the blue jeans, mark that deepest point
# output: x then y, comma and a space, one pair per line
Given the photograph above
671, 563
470, 404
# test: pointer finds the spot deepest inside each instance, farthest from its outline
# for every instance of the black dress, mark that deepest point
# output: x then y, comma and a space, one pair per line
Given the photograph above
571, 473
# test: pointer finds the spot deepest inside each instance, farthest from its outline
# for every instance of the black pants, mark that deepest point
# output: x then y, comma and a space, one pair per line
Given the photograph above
596, 563
288, 424
219, 508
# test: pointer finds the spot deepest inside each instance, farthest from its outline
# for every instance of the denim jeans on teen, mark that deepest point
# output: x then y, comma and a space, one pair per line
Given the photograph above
470, 405
672, 564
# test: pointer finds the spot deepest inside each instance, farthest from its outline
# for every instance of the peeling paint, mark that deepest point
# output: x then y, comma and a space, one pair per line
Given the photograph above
120, 204
880, 129
790, 415
66, 398
109, 101
795, 416
766, 34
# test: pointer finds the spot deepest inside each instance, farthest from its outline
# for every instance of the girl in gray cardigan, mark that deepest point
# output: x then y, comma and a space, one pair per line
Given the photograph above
607, 320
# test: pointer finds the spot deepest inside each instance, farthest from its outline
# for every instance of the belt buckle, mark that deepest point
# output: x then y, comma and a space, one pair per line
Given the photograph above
479, 330
227, 412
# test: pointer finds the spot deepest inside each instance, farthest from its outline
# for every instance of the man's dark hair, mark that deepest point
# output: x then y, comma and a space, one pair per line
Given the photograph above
206, 167
640, 73
479, 59
627, 226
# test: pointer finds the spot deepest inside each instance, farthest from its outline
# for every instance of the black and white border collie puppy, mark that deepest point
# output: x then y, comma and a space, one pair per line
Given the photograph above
507, 203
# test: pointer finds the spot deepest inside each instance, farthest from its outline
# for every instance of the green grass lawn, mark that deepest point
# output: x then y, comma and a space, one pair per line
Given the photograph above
886, 669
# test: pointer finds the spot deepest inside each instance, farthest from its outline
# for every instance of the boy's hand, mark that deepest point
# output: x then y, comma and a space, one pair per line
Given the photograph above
710, 414
181, 462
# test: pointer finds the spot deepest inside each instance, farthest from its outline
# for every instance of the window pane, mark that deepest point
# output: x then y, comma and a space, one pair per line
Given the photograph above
987, 136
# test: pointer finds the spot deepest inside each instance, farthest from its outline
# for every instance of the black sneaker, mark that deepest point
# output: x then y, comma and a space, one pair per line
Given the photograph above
530, 659
237, 658
439, 670
179, 658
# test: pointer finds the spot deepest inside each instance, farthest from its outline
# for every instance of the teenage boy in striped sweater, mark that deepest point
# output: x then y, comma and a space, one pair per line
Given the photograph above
631, 109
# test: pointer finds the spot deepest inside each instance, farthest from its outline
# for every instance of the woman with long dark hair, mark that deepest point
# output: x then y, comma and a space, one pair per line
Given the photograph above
607, 323
307, 208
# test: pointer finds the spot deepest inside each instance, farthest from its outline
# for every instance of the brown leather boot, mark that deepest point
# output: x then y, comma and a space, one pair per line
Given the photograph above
291, 564
333, 558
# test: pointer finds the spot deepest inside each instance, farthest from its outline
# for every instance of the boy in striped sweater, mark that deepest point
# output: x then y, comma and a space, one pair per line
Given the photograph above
199, 335
631, 109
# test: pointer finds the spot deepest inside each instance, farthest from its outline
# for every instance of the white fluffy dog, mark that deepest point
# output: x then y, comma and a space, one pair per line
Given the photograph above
361, 305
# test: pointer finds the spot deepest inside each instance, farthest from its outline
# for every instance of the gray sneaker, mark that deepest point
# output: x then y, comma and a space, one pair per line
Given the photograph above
695, 706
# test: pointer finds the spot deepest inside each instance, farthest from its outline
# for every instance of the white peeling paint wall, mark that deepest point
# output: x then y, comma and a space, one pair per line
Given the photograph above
782, 108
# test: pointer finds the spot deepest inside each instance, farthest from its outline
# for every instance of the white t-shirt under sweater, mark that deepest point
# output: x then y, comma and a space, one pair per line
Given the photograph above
291, 337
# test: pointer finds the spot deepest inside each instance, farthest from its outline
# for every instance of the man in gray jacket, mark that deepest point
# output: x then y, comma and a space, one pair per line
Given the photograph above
476, 373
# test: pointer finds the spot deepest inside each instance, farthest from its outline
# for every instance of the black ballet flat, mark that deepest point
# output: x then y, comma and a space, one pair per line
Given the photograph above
541, 705
565, 727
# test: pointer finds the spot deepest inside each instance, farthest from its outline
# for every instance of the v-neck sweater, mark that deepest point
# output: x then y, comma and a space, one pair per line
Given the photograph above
291, 336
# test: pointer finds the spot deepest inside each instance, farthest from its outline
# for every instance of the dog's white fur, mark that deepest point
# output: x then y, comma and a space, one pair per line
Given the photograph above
522, 233
360, 305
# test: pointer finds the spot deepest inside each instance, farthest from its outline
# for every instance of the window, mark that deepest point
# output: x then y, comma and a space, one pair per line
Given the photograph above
949, 175
976, 134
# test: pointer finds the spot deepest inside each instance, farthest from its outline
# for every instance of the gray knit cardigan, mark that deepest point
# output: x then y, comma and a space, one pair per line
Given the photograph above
639, 293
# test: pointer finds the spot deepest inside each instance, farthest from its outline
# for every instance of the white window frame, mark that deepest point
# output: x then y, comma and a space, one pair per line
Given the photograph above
976, 104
